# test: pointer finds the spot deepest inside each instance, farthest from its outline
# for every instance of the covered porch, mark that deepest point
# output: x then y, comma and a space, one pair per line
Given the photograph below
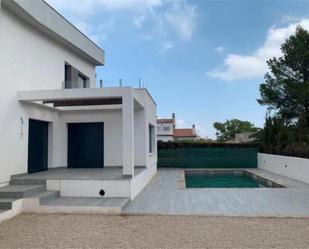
122, 111
128, 151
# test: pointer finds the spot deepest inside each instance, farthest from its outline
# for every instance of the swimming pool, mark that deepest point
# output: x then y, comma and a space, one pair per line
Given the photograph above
226, 179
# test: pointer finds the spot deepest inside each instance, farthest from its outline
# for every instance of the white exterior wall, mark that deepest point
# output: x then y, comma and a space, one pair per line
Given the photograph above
165, 138
139, 137
151, 118
14, 141
29, 60
32, 60
293, 167
165, 132
165, 129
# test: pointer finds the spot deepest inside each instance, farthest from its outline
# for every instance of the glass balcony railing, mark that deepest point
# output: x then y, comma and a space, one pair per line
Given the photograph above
121, 82
76, 84
135, 83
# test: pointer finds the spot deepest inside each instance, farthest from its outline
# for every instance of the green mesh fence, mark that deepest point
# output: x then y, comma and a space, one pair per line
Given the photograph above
208, 158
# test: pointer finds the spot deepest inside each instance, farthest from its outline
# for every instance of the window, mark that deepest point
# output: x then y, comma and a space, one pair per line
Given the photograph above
151, 139
166, 128
74, 78
82, 81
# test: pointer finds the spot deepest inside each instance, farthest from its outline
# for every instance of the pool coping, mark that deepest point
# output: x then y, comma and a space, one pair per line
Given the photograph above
181, 183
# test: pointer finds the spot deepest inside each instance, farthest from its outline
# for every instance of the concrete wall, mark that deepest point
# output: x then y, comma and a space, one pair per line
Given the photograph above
140, 137
151, 118
29, 60
138, 183
90, 188
293, 167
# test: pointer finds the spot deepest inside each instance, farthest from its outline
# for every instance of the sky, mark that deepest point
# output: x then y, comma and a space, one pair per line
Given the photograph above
201, 59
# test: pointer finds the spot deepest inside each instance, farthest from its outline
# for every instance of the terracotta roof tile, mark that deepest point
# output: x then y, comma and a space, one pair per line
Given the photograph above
184, 133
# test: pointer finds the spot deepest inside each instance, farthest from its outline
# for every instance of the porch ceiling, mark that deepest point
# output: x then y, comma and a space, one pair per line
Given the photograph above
85, 102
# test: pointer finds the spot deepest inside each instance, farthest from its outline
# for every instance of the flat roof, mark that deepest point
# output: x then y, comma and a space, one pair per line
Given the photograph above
45, 18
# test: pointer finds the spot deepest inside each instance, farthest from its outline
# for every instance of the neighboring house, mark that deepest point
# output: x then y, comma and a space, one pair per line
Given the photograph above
167, 131
165, 128
52, 115
185, 134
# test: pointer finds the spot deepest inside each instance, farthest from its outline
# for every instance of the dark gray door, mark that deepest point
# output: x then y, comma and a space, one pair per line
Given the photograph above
37, 146
85, 145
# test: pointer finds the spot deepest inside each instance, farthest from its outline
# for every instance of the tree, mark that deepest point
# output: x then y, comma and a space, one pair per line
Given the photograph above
286, 87
286, 92
230, 128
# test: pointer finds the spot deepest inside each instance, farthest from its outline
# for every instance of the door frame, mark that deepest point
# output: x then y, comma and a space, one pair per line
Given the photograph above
103, 141
46, 145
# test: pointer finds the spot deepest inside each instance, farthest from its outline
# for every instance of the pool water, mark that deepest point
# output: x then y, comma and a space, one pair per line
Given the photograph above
224, 179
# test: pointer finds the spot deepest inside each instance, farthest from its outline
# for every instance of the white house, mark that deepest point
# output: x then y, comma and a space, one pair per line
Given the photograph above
52, 115
165, 128
167, 131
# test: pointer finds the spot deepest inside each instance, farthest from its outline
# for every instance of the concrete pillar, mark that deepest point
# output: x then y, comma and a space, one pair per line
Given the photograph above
128, 134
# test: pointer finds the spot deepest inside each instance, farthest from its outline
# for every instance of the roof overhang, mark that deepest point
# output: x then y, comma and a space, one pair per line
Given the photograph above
81, 99
43, 17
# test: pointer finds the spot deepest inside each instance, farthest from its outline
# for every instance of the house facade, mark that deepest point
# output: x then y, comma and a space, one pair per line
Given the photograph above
53, 115
165, 128
167, 131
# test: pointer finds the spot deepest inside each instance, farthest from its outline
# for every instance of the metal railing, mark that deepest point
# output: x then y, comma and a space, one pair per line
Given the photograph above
121, 82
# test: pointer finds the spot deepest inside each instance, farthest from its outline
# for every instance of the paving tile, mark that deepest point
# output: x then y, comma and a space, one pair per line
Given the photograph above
162, 196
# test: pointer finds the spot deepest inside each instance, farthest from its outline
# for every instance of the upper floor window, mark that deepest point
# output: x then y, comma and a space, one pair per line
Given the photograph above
74, 78
166, 128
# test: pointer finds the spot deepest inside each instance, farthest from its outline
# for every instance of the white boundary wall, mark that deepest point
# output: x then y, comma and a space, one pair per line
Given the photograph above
139, 182
293, 167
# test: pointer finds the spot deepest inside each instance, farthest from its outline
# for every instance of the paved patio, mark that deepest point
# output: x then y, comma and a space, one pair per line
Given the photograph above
163, 196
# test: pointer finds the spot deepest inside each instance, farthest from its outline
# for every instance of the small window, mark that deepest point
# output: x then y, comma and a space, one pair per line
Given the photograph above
151, 139
74, 78
82, 81
166, 128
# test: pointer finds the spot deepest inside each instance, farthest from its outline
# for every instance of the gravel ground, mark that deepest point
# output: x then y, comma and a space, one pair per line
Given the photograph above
99, 231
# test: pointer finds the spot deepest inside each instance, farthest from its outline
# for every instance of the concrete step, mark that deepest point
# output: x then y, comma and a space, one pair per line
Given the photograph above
3, 210
20, 191
46, 195
25, 181
5, 214
85, 204
6, 203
